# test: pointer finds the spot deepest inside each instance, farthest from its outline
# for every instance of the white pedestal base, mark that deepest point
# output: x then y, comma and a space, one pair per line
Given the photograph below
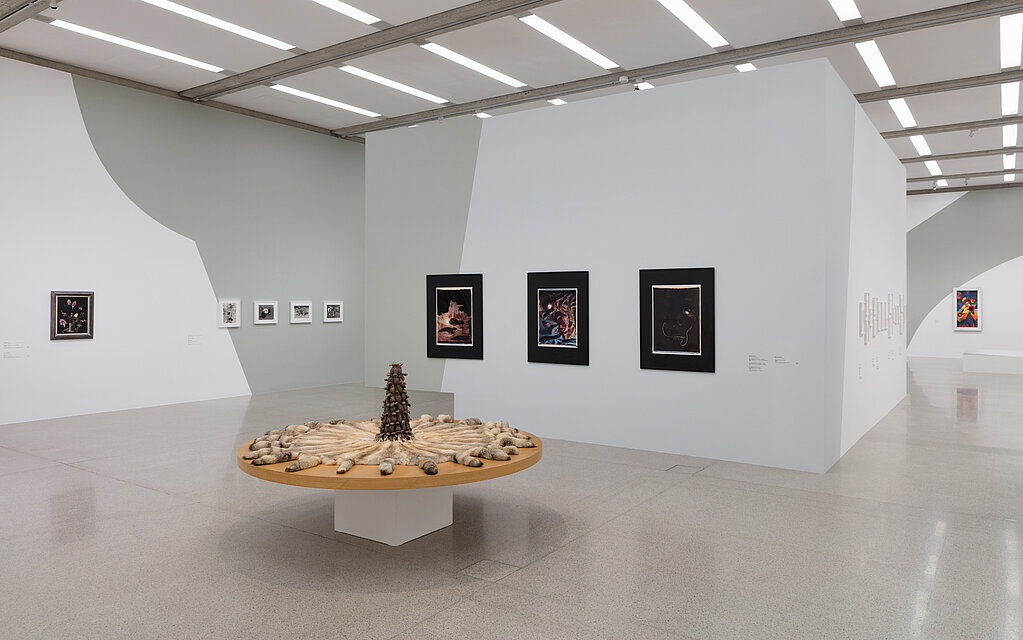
392, 516
993, 362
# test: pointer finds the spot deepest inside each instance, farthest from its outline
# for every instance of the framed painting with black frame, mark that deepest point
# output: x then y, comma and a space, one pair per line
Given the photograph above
676, 316
71, 315
454, 316
558, 306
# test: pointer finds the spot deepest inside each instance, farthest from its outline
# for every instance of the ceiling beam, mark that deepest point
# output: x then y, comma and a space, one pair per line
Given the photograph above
938, 87
843, 35
13, 12
967, 176
410, 32
963, 154
167, 93
953, 126
979, 187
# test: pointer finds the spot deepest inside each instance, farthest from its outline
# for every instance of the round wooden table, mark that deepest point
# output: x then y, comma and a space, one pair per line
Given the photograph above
396, 508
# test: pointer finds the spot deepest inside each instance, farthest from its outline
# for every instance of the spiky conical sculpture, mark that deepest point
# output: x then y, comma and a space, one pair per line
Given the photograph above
394, 422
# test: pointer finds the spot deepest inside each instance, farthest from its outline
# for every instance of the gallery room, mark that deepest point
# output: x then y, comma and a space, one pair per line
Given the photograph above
511, 319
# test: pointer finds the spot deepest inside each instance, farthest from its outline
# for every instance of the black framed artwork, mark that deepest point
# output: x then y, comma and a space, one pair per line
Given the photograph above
558, 307
676, 315
71, 315
454, 316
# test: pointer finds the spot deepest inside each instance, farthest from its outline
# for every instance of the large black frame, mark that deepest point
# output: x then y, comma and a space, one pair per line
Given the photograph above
61, 311
559, 280
473, 350
672, 322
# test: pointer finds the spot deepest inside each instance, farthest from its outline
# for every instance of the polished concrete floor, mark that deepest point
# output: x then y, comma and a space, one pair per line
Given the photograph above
137, 524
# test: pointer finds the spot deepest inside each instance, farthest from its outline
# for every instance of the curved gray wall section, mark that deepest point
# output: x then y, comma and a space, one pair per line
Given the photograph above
277, 214
975, 233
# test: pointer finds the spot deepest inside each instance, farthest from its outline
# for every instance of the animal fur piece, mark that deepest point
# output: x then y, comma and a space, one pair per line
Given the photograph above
347, 443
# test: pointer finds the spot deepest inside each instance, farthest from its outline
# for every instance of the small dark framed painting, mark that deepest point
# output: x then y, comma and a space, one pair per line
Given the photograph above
454, 316
71, 315
676, 315
558, 304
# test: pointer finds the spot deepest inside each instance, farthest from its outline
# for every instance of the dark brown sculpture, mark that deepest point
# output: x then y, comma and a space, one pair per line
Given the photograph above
394, 422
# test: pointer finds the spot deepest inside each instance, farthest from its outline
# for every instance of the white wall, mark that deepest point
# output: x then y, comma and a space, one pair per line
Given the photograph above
875, 373
651, 179
67, 226
1001, 308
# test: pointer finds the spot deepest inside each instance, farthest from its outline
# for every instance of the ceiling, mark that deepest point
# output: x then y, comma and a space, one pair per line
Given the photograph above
634, 34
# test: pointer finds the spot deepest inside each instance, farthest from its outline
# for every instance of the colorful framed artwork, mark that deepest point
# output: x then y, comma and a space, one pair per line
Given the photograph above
558, 304
454, 316
264, 312
301, 311
676, 319
967, 309
71, 315
229, 312
333, 311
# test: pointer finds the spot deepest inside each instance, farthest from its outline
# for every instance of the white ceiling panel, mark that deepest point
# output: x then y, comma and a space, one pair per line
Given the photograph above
344, 87
744, 23
283, 105
880, 9
940, 53
401, 11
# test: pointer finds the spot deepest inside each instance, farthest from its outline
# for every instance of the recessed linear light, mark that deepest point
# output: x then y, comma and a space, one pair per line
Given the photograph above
744, 67
902, 112
220, 24
921, 145
355, 71
932, 167
482, 115
1011, 28
1009, 161
327, 101
458, 58
144, 48
349, 10
1009, 135
942, 183
568, 41
697, 24
1009, 178
845, 10
1010, 98
872, 57
643, 86
557, 102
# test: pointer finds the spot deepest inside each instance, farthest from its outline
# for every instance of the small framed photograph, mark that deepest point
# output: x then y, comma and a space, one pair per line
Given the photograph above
967, 309
559, 317
301, 311
264, 312
454, 316
71, 315
229, 312
333, 311
676, 319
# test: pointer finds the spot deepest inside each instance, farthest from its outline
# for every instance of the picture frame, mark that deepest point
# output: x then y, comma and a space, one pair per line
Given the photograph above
333, 311
676, 319
968, 314
264, 312
72, 315
454, 316
558, 317
301, 311
229, 313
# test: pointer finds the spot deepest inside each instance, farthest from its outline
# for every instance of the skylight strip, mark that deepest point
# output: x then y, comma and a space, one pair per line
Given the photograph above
942, 183
643, 86
131, 44
348, 10
387, 82
469, 63
1009, 161
1009, 177
921, 145
482, 115
1009, 135
220, 24
872, 57
322, 100
1011, 40
845, 10
557, 102
1010, 98
567, 41
745, 66
695, 22
902, 112
932, 167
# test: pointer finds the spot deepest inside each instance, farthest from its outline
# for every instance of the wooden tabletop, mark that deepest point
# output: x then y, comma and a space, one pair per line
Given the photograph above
367, 476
